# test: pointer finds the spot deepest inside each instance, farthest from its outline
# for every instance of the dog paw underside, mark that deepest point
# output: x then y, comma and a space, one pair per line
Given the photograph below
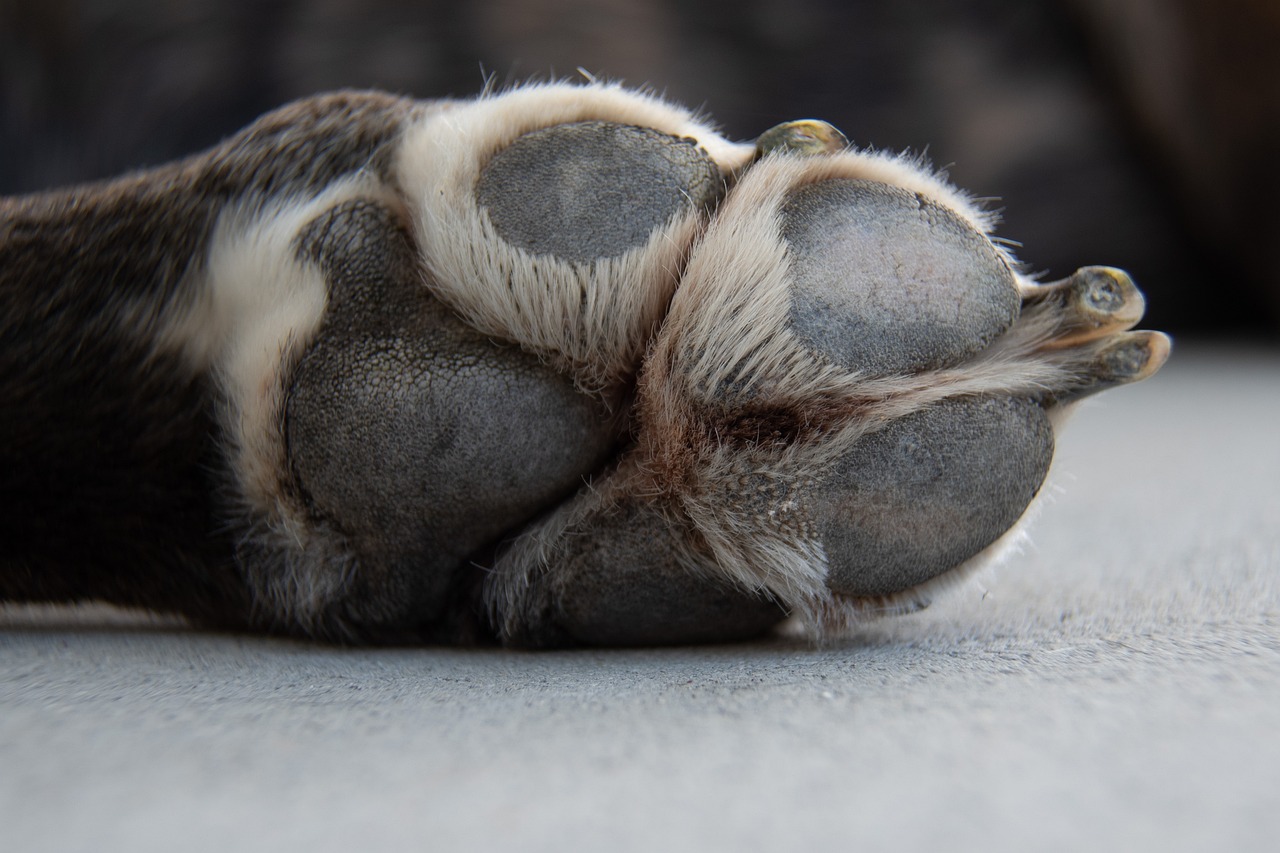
562, 365
592, 374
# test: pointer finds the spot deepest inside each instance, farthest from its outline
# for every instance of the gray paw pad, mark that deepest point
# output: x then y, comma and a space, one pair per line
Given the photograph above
419, 451
929, 491
593, 189
622, 584
887, 281
413, 435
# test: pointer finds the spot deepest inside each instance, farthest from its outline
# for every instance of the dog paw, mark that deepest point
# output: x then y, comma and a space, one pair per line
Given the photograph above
599, 375
554, 365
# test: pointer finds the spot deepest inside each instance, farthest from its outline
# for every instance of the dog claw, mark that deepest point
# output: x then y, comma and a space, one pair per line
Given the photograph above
1127, 357
1133, 356
1092, 303
806, 137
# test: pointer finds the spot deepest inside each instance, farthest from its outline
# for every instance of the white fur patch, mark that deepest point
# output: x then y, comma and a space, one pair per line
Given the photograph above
593, 319
256, 307
246, 319
265, 305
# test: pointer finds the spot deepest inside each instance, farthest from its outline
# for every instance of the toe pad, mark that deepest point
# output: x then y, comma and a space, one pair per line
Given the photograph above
929, 491
593, 189
887, 281
623, 584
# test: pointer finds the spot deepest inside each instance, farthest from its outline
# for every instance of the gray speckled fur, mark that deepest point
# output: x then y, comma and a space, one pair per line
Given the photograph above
112, 471
887, 281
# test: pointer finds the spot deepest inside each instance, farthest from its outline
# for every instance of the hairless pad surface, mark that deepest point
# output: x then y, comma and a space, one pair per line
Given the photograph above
929, 491
622, 584
593, 189
414, 451
414, 435
887, 281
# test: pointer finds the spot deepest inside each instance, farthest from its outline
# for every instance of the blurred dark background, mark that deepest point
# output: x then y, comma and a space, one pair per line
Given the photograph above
1140, 134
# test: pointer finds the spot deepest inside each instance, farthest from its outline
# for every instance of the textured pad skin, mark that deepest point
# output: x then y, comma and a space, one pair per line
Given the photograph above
620, 582
887, 281
929, 491
418, 438
594, 189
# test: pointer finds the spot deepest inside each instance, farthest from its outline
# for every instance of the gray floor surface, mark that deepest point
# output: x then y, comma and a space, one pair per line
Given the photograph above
1114, 686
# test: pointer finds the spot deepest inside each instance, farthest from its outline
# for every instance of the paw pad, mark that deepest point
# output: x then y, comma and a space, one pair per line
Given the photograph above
921, 496
591, 190
887, 281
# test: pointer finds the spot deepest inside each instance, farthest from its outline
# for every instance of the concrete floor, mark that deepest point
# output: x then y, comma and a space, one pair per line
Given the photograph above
1115, 686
